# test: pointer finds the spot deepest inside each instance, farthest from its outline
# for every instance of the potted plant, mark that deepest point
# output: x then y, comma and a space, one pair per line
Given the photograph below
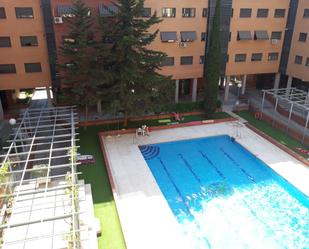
3, 179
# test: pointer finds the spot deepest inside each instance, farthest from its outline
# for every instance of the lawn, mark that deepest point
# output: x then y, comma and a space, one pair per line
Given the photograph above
104, 204
275, 133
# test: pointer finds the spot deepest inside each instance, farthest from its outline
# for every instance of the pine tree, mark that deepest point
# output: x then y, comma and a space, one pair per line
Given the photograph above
78, 54
137, 85
212, 65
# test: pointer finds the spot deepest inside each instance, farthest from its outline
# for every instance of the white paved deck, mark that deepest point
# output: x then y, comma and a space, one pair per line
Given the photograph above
145, 216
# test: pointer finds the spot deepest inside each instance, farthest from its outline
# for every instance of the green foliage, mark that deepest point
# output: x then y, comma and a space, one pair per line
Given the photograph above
184, 107
3, 171
72, 153
212, 64
78, 51
136, 79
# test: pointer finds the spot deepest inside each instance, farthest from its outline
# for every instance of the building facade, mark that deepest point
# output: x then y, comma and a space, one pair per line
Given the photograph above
264, 43
298, 63
24, 61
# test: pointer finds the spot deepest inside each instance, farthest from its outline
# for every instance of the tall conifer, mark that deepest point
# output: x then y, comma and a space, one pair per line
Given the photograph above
212, 64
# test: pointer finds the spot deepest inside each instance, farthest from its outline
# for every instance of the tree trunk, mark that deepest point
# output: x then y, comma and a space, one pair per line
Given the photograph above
126, 120
86, 117
99, 106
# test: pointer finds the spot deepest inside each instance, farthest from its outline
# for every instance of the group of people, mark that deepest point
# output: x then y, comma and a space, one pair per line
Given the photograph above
144, 131
177, 116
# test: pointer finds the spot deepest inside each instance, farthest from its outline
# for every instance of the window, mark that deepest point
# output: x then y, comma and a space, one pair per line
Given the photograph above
146, 12
2, 13
203, 36
273, 56
279, 13
256, 57
168, 12
240, 57
66, 10
33, 67
276, 35
262, 13
29, 41
302, 37
7, 68
205, 12
298, 60
168, 36
168, 61
202, 59
232, 12
306, 13
307, 62
188, 12
245, 13
105, 10
230, 36
188, 36
5, 42
186, 60
261, 35
108, 40
25, 12
244, 35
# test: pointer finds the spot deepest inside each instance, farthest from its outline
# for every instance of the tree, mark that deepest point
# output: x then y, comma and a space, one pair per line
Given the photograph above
212, 64
78, 51
137, 85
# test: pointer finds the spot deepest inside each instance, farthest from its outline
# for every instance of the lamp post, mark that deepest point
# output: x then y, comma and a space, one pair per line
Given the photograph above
238, 91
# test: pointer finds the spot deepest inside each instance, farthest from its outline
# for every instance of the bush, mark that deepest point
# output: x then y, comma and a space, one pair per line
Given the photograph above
183, 107
186, 107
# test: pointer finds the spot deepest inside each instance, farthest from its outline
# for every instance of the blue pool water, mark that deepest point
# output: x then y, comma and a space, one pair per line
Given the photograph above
224, 197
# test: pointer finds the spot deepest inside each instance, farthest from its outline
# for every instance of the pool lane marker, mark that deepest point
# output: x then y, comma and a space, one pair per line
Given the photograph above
213, 165
237, 164
184, 201
190, 169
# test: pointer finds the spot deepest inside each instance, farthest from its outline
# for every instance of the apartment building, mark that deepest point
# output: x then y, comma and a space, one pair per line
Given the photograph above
264, 42
24, 61
257, 32
298, 62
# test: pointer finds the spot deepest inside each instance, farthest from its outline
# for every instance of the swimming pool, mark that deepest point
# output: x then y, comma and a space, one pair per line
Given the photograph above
225, 197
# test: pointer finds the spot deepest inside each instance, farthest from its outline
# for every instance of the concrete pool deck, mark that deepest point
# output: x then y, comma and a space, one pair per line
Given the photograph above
146, 219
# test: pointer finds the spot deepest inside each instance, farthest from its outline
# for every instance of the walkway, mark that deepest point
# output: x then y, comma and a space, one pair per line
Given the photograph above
255, 98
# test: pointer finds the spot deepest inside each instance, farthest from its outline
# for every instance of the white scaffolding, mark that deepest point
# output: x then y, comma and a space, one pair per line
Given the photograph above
293, 98
39, 183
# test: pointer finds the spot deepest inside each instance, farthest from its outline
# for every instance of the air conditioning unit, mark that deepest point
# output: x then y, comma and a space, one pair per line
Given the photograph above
274, 41
183, 44
58, 19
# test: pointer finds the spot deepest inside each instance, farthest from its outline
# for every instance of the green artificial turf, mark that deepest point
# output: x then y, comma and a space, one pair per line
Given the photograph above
275, 133
104, 204
96, 175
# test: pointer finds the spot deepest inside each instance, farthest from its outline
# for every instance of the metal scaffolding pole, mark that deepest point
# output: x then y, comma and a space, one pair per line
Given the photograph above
263, 100
43, 136
305, 129
290, 115
276, 105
